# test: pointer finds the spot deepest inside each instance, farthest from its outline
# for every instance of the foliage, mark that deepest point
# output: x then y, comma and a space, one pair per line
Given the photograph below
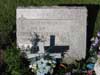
16, 63
12, 58
94, 48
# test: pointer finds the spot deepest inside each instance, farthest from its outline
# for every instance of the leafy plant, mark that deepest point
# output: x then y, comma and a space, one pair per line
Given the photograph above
12, 59
16, 62
94, 48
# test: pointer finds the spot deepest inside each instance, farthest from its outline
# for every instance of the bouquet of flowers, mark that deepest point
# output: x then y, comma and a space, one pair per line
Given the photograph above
43, 66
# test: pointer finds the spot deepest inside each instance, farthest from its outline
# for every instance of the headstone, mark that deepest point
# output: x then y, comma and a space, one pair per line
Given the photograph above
67, 24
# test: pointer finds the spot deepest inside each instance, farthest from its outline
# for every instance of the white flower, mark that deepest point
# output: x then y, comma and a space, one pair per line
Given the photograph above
92, 39
49, 61
98, 34
54, 62
30, 66
97, 68
34, 66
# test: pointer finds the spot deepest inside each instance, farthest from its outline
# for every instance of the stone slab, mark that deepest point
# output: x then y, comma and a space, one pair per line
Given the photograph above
68, 24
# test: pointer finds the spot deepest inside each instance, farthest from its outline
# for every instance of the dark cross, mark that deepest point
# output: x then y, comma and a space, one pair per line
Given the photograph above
55, 49
50, 49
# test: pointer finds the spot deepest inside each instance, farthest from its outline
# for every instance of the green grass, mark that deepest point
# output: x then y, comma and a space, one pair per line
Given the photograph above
8, 11
97, 23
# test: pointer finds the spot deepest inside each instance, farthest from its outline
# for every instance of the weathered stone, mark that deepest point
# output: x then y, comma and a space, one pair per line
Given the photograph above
68, 24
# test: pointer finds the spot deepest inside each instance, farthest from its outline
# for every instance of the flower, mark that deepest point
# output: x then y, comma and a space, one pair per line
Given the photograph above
68, 73
33, 67
95, 43
62, 65
30, 66
98, 34
41, 66
49, 61
98, 52
92, 39
90, 66
89, 72
96, 40
99, 47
